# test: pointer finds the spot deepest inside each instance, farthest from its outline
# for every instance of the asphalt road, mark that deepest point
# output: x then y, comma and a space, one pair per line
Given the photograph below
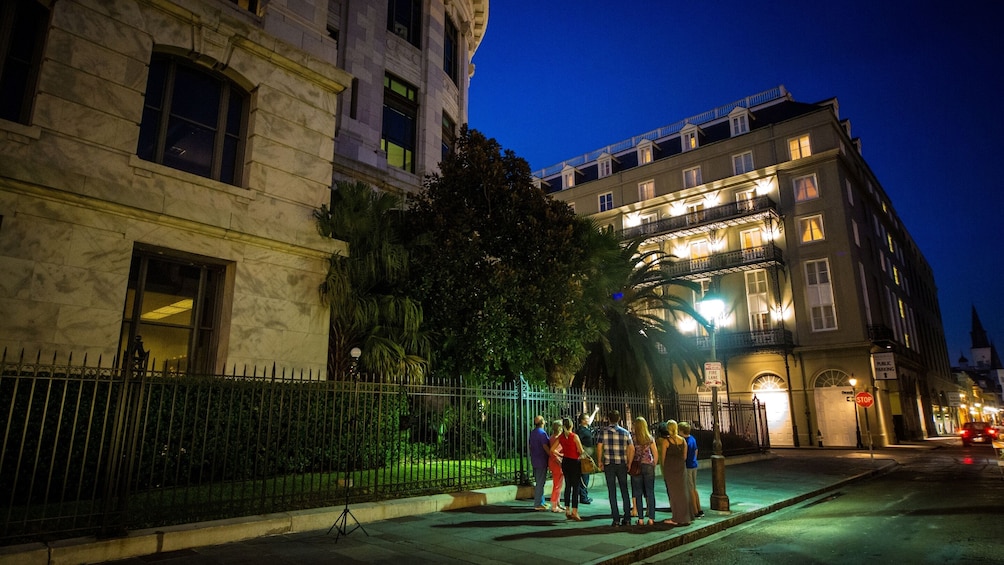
940, 506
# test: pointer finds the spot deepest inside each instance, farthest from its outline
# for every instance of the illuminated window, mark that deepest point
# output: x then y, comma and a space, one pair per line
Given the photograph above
249, 5
645, 152
400, 116
688, 140
193, 120
23, 25
819, 293
604, 166
692, 177
799, 148
744, 200
450, 49
806, 188
811, 228
895, 274
892, 245
751, 244
404, 19
606, 201
173, 304
756, 299
742, 163
646, 190
567, 177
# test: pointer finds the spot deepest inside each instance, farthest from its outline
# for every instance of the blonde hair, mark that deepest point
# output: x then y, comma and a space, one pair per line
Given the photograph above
672, 428
555, 427
641, 433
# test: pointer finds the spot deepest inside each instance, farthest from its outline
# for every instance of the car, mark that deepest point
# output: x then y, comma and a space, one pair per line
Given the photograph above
977, 432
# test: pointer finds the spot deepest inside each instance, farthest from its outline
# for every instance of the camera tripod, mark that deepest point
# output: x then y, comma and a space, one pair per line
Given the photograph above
342, 522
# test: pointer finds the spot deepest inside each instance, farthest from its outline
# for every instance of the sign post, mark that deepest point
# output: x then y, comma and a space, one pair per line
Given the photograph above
713, 373
865, 399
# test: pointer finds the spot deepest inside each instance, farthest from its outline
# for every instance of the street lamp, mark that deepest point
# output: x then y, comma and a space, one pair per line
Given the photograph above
857, 426
711, 308
355, 352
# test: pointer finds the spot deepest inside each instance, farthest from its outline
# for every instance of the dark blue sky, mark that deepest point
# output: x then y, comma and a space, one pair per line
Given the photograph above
921, 83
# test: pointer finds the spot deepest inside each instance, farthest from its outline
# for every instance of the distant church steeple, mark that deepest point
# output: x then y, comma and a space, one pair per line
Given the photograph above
983, 351
978, 334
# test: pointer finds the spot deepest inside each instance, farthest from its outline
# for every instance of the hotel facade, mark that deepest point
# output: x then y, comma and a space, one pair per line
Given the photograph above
768, 204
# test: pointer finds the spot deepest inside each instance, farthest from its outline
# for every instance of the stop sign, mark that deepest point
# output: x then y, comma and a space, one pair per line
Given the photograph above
864, 399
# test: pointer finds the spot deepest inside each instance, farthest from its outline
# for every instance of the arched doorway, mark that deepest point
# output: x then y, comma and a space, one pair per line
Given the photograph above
835, 408
771, 391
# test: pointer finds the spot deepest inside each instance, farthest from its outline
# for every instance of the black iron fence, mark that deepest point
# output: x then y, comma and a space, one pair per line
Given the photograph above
102, 450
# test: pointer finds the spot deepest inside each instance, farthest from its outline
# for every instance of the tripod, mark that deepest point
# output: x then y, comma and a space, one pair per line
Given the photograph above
342, 521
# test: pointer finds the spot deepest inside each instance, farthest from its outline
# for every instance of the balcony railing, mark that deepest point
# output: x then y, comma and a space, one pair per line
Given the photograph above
704, 220
760, 341
726, 262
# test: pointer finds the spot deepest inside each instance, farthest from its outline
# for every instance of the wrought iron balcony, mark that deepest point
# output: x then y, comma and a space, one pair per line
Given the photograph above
726, 262
702, 221
775, 340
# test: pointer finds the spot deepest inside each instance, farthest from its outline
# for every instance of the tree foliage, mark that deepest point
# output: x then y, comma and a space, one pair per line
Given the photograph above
500, 269
371, 307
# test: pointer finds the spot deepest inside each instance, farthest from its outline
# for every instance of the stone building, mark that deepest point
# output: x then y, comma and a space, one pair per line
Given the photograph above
768, 203
160, 162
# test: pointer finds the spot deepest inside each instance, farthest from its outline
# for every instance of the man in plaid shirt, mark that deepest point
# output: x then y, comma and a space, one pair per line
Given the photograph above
614, 450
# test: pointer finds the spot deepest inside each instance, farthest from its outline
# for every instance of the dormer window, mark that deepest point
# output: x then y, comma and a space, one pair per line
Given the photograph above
567, 177
689, 137
739, 120
645, 152
604, 166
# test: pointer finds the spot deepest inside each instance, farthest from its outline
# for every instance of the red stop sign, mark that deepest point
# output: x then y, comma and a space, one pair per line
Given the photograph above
864, 399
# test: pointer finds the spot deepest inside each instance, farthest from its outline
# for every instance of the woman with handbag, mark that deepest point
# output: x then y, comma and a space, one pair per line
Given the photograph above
642, 471
571, 468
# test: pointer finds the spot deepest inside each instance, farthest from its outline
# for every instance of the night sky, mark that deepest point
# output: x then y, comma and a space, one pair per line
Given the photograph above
921, 83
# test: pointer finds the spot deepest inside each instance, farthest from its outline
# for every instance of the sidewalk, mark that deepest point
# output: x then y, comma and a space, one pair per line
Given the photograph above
487, 526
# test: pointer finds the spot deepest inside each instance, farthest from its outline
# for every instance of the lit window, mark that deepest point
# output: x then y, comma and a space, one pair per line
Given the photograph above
798, 147
568, 177
193, 120
806, 188
689, 140
646, 190
811, 228
404, 19
23, 25
756, 299
692, 177
606, 201
604, 166
645, 152
742, 163
892, 245
400, 115
249, 5
172, 304
450, 63
819, 293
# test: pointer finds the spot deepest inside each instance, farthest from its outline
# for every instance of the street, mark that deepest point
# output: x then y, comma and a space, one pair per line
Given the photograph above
939, 506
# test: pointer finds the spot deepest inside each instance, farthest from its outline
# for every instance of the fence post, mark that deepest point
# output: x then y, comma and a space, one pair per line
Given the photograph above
523, 477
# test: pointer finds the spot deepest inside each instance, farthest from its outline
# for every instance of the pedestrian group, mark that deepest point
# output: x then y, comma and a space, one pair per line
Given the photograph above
623, 457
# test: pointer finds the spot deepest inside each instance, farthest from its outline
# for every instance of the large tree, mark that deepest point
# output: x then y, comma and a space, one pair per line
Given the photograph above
498, 265
367, 291
640, 348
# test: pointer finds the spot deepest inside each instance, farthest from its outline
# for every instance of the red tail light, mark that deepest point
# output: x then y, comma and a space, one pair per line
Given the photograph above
991, 431
964, 433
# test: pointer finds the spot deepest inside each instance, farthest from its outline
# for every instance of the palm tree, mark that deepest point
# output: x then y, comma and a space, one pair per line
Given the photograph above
641, 347
370, 308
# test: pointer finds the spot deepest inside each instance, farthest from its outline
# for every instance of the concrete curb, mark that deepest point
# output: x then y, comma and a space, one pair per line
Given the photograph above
645, 551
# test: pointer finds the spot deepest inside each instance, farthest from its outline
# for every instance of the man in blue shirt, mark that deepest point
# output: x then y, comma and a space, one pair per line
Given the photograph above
540, 451
614, 450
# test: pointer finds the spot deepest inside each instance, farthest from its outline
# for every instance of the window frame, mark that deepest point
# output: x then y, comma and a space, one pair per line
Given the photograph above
758, 299
30, 18
604, 166
697, 177
400, 97
806, 194
406, 16
819, 296
451, 51
161, 117
806, 227
449, 140
799, 147
605, 201
646, 152
646, 190
742, 157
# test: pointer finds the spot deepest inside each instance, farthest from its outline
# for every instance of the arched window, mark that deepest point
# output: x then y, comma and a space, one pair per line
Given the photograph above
768, 382
831, 377
193, 120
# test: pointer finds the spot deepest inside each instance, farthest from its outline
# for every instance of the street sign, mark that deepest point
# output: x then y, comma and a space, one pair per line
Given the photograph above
864, 399
713, 373
884, 365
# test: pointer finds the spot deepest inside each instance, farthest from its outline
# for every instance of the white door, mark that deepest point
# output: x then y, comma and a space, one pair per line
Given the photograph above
778, 417
836, 416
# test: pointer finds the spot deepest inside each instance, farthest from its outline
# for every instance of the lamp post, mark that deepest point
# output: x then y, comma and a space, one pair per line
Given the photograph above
355, 352
711, 308
857, 426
